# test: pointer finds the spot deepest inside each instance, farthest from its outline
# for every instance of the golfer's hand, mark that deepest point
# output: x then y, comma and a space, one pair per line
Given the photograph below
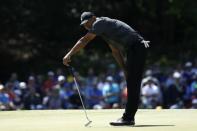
66, 60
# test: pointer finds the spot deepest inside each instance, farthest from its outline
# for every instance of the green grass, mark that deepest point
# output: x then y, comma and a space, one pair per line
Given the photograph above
74, 120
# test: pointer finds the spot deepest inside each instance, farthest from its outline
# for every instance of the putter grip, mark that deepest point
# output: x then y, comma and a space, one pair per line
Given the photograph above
71, 70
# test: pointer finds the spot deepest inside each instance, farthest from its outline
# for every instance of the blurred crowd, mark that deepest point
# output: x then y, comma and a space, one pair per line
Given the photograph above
162, 87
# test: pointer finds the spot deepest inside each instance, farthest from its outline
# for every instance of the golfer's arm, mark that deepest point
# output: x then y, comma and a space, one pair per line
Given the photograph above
81, 43
119, 58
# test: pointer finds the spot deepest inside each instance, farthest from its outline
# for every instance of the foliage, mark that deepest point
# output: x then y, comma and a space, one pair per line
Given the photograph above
35, 34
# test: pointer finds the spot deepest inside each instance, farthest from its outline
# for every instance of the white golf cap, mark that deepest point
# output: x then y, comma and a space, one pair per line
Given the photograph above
1, 87
50, 73
109, 78
22, 85
61, 78
176, 74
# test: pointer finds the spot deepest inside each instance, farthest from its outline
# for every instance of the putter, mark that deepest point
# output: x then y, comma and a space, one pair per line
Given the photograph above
71, 70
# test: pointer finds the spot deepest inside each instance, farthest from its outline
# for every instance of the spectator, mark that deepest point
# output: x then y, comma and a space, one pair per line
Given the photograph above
94, 96
91, 78
65, 92
151, 95
50, 82
32, 100
39, 85
75, 100
111, 92
193, 86
194, 103
55, 101
101, 81
14, 80
5, 102
173, 92
166, 86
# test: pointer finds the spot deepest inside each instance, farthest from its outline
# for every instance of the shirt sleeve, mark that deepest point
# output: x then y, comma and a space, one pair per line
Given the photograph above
97, 29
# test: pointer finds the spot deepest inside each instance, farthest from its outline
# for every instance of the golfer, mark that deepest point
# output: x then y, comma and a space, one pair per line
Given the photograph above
122, 39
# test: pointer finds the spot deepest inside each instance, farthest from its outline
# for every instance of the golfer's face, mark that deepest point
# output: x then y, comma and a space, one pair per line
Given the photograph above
87, 25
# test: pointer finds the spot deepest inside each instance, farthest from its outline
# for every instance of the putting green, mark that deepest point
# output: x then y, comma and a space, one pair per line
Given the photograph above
74, 120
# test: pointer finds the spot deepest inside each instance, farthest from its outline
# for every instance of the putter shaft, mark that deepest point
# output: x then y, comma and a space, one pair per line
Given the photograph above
89, 121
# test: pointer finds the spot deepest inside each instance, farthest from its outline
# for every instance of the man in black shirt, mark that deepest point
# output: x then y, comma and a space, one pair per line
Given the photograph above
120, 38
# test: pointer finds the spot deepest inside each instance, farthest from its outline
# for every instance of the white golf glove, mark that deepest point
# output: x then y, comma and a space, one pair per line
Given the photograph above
145, 43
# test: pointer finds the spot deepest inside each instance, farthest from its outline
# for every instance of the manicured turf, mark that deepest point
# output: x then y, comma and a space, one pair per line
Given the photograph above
74, 120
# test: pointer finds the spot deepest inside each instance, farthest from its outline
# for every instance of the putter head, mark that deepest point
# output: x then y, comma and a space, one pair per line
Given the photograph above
87, 124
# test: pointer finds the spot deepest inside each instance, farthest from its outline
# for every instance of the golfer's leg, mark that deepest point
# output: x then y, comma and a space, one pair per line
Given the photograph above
135, 67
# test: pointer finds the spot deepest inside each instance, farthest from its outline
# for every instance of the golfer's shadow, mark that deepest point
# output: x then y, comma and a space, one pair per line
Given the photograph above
159, 125
152, 125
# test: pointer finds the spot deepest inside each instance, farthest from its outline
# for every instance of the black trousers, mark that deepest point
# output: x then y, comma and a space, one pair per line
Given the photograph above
136, 55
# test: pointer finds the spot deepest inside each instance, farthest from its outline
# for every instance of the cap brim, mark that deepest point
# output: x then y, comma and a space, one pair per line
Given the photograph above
83, 22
